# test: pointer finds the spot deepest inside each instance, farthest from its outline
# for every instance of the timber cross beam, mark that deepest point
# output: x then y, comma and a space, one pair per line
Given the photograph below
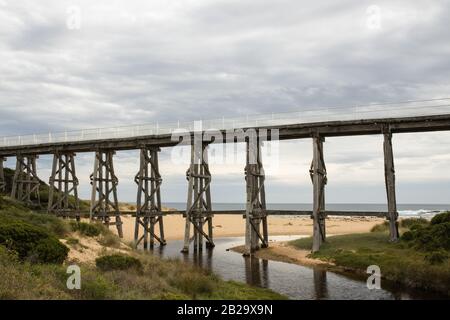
198, 207
26, 183
63, 198
148, 210
255, 213
104, 201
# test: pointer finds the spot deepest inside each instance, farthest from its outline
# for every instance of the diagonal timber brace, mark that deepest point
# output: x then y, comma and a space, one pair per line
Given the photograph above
104, 202
63, 184
149, 212
2, 176
26, 182
255, 213
389, 175
318, 173
198, 208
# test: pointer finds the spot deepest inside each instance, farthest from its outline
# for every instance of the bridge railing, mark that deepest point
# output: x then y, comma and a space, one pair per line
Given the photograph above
373, 111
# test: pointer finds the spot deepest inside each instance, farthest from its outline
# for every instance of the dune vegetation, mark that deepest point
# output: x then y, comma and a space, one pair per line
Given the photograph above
36, 249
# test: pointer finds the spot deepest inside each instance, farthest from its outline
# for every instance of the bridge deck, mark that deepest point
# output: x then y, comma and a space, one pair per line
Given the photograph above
287, 131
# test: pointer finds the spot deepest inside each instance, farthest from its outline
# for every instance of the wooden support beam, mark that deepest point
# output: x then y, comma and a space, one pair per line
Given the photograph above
104, 202
318, 174
255, 214
148, 212
63, 183
389, 174
328, 213
198, 207
26, 182
2, 175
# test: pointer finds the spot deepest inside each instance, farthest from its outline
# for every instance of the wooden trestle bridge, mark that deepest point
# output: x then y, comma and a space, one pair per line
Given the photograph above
199, 213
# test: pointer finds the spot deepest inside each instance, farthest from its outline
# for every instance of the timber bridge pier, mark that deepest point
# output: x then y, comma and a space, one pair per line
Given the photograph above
381, 119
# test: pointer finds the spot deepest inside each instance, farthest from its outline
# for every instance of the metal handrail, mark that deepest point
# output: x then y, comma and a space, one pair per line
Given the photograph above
374, 111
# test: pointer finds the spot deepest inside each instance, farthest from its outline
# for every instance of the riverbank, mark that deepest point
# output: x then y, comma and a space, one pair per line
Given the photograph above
404, 262
234, 226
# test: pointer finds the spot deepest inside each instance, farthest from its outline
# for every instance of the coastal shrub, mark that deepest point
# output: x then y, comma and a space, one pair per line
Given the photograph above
441, 218
382, 227
87, 229
32, 243
12, 211
432, 237
417, 226
407, 236
117, 262
48, 251
412, 222
437, 257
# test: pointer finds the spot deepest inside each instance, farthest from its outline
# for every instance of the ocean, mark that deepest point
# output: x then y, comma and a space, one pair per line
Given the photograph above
406, 210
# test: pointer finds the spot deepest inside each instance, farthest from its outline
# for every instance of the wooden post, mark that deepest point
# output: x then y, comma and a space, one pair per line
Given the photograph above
389, 174
64, 182
26, 182
255, 213
2, 176
149, 211
199, 206
318, 174
104, 185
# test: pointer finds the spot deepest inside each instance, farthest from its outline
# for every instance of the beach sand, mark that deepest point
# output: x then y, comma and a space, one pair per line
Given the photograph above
234, 226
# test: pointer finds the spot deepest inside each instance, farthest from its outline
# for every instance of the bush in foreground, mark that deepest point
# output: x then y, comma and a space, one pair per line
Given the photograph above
117, 262
32, 243
13, 211
432, 237
49, 251
412, 222
441, 218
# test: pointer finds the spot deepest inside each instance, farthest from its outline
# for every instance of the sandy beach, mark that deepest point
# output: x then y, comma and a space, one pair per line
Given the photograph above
234, 225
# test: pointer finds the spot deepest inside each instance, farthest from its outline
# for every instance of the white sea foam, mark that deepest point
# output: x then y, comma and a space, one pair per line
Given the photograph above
419, 213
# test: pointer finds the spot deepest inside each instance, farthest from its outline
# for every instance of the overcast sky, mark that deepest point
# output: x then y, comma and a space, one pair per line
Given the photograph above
85, 64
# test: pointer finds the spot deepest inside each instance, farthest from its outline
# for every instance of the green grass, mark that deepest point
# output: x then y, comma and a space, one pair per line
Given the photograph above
398, 261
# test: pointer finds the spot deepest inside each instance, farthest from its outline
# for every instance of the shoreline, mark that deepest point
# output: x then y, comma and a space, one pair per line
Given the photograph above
234, 226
